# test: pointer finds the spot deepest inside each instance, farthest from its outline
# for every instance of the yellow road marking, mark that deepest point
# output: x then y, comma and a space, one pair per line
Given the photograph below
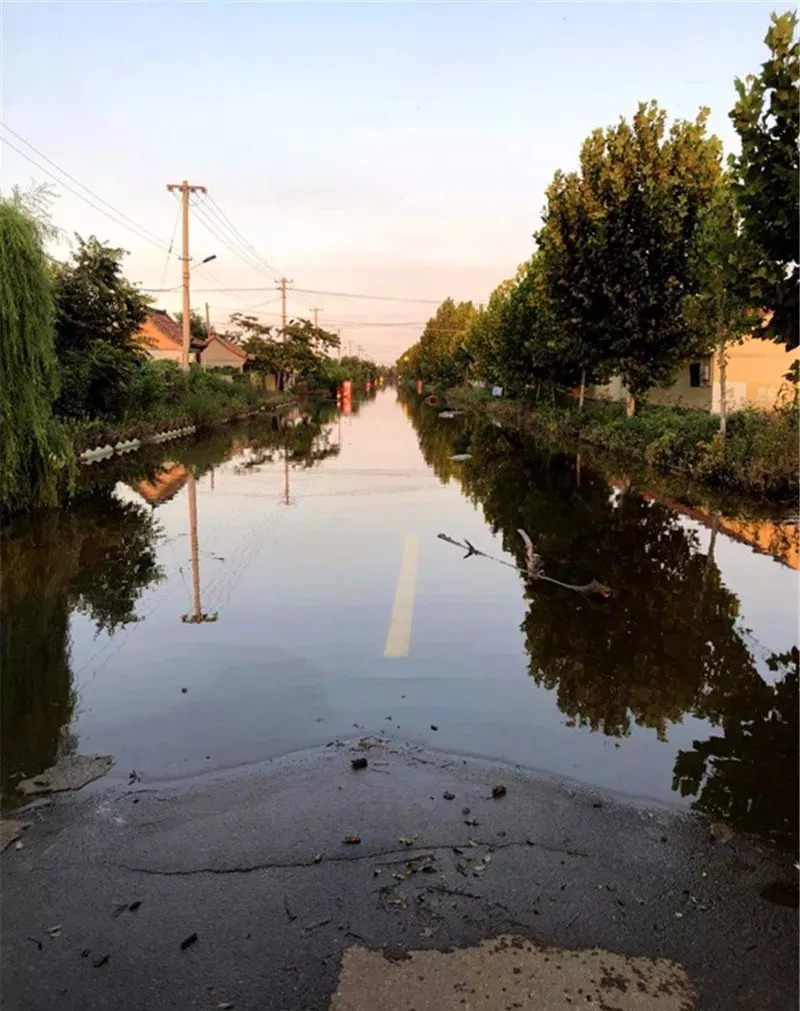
398, 637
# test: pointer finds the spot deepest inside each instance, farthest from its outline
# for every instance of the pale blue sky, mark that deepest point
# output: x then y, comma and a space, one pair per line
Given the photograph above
381, 148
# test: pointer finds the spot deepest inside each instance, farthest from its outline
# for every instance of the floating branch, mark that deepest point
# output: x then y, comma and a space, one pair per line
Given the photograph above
533, 566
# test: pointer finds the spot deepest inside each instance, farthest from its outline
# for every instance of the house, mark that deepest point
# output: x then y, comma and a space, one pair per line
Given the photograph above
219, 352
162, 338
754, 377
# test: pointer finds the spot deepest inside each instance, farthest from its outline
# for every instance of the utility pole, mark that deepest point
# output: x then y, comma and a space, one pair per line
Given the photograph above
282, 285
208, 324
316, 327
185, 190
197, 617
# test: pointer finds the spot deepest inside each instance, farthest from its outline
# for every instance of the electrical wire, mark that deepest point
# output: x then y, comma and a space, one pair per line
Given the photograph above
172, 239
133, 226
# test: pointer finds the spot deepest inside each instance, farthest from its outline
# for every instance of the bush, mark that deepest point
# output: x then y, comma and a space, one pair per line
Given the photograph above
759, 455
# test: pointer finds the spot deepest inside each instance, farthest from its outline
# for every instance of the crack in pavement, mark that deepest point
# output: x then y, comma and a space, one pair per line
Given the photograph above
409, 853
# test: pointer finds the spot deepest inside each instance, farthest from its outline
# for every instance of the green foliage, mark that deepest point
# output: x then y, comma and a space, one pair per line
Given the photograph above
444, 357
295, 352
34, 453
197, 325
615, 243
759, 455
98, 314
767, 118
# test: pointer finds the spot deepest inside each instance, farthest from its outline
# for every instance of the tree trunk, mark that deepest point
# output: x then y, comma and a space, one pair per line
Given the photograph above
583, 389
630, 406
722, 361
577, 470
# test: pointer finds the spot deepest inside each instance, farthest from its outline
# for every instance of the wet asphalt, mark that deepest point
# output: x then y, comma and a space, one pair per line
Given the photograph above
241, 890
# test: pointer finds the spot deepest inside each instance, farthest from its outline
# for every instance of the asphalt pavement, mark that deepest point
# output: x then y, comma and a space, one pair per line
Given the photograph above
422, 881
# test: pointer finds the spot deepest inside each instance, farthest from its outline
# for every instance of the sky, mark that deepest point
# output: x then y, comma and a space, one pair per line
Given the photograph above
385, 149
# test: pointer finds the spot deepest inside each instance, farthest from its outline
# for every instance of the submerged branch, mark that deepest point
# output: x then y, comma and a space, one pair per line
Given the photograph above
533, 566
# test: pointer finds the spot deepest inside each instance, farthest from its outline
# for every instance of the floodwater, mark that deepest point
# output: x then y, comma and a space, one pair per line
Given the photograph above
281, 584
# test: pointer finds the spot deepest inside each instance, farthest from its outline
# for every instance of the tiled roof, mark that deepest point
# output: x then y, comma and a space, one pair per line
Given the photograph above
171, 329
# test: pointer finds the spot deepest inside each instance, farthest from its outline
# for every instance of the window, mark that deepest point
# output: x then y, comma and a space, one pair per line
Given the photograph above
700, 373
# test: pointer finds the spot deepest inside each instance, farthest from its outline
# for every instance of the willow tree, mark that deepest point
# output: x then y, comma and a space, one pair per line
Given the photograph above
34, 451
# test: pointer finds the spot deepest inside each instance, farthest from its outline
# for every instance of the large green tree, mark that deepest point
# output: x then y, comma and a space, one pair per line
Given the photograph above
767, 119
616, 238
98, 314
33, 450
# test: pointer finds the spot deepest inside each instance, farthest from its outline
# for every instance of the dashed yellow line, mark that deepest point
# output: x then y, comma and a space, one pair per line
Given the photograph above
398, 637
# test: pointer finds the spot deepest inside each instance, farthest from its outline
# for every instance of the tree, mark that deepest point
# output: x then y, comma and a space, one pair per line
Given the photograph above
723, 259
295, 351
197, 325
443, 357
767, 119
615, 241
34, 450
98, 314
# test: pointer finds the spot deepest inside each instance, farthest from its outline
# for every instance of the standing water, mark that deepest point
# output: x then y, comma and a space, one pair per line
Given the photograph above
281, 584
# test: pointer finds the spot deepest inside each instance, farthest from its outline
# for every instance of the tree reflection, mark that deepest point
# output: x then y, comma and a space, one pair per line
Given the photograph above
668, 644
96, 557
748, 775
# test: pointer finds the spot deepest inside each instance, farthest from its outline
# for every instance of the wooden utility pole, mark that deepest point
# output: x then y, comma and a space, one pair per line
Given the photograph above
185, 190
208, 324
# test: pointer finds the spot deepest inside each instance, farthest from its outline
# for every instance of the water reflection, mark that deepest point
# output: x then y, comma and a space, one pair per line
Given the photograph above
97, 558
669, 644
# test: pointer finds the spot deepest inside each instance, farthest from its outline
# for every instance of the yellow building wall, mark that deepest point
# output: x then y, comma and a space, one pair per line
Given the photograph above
756, 368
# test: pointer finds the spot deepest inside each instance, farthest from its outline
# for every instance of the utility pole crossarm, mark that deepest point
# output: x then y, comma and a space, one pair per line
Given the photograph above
185, 190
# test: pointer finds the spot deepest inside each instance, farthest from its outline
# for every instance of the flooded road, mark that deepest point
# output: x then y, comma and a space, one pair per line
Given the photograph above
280, 584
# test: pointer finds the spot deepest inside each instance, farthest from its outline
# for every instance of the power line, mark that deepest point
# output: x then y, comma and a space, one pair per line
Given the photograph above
313, 291
247, 244
133, 226
171, 243
375, 298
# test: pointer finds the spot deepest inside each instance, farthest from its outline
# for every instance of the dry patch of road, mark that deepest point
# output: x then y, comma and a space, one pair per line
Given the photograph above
508, 973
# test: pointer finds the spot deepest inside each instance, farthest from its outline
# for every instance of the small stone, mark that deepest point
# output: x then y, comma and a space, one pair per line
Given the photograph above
465, 810
184, 691
434, 727
448, 796
498, 790
358, 763
352, 840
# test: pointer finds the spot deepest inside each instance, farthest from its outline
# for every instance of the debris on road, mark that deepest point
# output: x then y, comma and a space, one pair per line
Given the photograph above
100, 960
187, 942
351, 840
448, 796
498, 790
720, 832
434, 726
358, 763
533, 567
319, 923
70, 773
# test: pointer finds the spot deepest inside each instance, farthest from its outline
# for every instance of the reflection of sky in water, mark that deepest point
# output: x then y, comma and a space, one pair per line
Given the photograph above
304, 595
